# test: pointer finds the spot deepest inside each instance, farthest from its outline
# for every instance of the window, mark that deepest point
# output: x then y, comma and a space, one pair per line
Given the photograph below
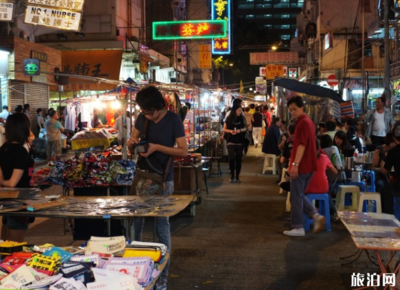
285, 15
263, 6
269, 26
286, 26
246, 6
249, 0
285, 37
250, 16
267, 16
282, 5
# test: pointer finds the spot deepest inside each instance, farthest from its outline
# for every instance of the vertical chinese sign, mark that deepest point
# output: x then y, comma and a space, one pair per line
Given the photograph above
205, 56
273, 71
221, 10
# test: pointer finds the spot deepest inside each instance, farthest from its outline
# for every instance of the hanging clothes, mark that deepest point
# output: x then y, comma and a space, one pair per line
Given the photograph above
70, 117
86, 110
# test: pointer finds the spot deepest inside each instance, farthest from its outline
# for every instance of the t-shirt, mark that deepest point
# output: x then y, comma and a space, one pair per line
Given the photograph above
53, 132
305, 135
5, 114
239, 124
40, 121
258, 118
379, 128
15, 156
165, 132
319, 180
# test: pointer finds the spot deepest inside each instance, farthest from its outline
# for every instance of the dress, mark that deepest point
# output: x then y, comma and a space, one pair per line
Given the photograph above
70, 117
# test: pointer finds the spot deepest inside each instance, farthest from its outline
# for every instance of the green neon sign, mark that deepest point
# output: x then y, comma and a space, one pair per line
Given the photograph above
31, 67
194, 29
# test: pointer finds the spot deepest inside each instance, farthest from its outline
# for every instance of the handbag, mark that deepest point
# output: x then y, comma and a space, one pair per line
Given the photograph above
149, 180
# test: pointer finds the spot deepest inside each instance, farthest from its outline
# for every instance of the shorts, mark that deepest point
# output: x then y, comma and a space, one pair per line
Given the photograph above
53, 148
17, 222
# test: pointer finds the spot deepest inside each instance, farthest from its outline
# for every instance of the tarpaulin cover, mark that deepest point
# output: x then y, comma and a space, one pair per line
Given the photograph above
308, 89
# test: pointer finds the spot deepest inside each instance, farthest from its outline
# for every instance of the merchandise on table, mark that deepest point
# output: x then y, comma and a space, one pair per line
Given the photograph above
57, 268
85, 170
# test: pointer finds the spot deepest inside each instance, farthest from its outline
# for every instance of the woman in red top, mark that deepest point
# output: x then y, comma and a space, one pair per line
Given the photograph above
319, 181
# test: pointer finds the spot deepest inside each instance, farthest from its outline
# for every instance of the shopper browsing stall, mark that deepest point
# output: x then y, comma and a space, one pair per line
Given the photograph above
16, 168
53, 136
164, 131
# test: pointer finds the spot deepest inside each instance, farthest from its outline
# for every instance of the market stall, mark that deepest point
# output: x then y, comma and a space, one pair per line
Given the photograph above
321, 104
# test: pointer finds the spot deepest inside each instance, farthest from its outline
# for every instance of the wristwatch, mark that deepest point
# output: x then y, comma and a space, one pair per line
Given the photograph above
295, 164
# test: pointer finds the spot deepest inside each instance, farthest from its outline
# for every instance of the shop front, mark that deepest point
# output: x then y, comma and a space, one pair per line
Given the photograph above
20, 86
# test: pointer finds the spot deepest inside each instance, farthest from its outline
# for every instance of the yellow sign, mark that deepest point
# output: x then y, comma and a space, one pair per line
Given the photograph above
205, 56
273, 70
70, 4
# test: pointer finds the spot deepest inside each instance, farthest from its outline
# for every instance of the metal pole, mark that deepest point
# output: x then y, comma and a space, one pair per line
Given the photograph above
387, 57
364, 96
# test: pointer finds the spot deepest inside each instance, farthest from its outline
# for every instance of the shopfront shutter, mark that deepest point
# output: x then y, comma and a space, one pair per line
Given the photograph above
37, 96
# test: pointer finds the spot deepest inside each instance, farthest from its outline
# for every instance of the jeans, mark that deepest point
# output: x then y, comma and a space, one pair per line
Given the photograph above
235, 153
257, 132
300, 203
162, 230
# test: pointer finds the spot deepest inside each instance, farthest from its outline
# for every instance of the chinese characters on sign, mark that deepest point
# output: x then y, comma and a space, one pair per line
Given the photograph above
70, 4
273, 71
257, 58
221, 11
262, 71
293, 73
205, 56
188, 29
57, 18
6, 10
373, 280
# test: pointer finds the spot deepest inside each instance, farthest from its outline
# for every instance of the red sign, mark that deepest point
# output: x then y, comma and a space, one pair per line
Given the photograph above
332, 81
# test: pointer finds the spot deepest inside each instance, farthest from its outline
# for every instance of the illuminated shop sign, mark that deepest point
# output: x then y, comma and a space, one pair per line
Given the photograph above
221, 9
70, 4
31, 67
56, 18
195, 29
6, 10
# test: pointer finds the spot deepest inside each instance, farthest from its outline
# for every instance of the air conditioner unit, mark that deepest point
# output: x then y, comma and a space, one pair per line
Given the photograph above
172, 74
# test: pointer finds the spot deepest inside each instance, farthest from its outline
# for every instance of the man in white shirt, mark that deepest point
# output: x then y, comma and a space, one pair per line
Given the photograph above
4, 115
123, 121
380, 122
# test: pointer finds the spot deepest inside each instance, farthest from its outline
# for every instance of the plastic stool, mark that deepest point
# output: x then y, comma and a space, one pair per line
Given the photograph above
361, 185
366, 196
269, 163
324, 210
341, 195
283, 179
370, 173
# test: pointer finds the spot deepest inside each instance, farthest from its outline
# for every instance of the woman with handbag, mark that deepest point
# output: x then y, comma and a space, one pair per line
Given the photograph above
235, 129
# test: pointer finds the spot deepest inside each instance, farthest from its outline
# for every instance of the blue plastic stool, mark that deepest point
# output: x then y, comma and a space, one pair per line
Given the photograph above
370, 173
323, 210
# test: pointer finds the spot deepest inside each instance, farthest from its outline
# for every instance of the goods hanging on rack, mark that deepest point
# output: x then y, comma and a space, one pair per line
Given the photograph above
84, 170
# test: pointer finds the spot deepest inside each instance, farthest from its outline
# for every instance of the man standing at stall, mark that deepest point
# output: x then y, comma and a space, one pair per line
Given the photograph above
379, 122
53, 136
303, 163
164, 131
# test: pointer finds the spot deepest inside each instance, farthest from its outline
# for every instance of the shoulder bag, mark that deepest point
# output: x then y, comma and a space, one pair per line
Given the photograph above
149, 180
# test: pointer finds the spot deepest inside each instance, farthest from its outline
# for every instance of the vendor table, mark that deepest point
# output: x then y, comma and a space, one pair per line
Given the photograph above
78, 144
107, 208
376, 232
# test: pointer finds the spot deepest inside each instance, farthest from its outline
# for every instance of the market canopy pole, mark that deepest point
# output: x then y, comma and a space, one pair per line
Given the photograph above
124, 128
387, 58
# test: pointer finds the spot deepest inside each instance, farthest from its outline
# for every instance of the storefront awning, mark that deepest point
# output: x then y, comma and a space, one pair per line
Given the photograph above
308, 89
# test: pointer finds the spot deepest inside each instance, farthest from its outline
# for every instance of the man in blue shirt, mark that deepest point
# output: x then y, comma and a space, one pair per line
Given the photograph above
165, 130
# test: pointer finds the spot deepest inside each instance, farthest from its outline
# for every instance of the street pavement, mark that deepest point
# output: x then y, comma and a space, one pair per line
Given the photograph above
235, 241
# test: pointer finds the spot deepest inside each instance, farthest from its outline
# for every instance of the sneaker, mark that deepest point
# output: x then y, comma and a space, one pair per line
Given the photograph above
238, 181
319, 222
231, 180
295, 233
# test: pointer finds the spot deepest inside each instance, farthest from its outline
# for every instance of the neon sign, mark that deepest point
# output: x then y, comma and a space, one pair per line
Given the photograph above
197, 29
221, 10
